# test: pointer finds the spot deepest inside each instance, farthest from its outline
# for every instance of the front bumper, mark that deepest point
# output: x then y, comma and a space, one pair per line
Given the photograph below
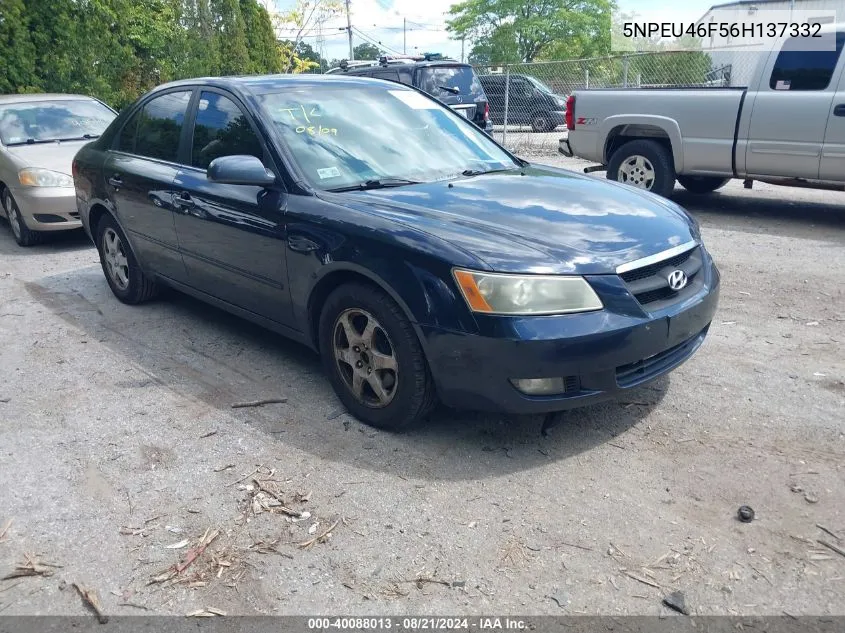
599, 354
48, 208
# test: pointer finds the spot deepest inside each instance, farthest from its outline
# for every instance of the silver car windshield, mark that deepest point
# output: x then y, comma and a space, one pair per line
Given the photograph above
346, 136
46, 121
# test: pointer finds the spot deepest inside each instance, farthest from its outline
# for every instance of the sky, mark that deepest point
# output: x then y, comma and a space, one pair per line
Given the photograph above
380, 21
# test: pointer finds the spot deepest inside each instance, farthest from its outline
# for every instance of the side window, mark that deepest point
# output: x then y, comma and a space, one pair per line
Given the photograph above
804, 70
126, 142
221, 129
406, 77
160, 126
390, 75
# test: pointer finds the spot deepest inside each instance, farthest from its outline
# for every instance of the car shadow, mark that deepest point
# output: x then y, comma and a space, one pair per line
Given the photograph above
210, 356
771, 211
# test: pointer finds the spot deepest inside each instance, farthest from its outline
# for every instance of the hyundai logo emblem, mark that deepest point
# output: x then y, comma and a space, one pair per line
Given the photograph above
677, 279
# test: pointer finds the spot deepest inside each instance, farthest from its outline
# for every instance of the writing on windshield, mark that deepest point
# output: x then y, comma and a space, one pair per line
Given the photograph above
306, 120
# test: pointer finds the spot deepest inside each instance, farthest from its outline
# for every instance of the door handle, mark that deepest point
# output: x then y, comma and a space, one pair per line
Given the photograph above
184, 201
116, 181
839, 110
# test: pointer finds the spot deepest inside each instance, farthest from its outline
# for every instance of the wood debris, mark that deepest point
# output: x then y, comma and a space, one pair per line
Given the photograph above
320, 538
641, 579
282, 507
821, 527
5, 529
190, 556
259, 403
832, 547
89, 597
208, 612
32, 567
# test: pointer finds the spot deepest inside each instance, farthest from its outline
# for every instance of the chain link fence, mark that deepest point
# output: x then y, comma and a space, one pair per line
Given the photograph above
528, 101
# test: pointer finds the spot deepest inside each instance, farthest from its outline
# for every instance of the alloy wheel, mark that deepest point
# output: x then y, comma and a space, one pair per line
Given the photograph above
115, 257
12, 215
637, 171
365, 358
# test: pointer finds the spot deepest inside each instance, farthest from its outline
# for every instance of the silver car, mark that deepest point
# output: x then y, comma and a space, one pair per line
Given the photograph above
39, 136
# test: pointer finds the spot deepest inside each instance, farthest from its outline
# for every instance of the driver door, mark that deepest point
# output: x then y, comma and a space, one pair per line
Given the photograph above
232, 237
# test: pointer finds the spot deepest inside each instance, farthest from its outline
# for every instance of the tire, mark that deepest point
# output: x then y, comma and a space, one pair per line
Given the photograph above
702, 184
643, 164
540, 122
120, 266
407, 392
23, 235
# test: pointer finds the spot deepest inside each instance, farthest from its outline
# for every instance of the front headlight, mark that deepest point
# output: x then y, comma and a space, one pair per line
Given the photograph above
495, 293
36, 177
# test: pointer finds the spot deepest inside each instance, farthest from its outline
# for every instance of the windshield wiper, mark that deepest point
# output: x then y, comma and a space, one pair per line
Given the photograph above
481, 172
382, 183
451, 89
36, 141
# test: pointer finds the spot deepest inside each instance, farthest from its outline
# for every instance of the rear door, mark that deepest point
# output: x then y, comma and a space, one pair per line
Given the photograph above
791, 110
232, 236
833, 151
140, 170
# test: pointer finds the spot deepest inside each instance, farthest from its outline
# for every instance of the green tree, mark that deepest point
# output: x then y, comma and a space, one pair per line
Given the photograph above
365, 50
17, 51
262, 47
231, 37
535, 27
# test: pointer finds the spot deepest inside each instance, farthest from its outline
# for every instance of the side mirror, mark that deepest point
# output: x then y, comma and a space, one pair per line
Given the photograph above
240, 170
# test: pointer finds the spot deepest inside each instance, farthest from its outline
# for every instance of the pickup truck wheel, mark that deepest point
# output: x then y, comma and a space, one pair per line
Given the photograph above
643, 164
702, 184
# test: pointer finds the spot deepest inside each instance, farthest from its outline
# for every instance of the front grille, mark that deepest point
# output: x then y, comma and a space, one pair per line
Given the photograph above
650, 285
572, 384
643, 370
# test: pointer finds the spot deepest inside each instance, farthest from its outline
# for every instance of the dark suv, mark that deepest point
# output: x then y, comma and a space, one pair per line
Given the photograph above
450, 81
530, 102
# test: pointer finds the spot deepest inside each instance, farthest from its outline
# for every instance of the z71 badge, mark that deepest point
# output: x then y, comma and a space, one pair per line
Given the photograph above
585, 121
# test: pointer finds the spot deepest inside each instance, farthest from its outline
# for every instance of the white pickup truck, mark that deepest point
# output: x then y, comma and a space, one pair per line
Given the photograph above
787, 127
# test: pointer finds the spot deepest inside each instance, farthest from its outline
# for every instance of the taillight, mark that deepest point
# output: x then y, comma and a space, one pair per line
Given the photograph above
486, 111
570, 112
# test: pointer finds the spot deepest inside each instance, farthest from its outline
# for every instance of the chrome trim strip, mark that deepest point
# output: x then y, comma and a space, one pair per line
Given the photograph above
656, 258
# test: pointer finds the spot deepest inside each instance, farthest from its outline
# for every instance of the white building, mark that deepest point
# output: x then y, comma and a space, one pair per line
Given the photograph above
735, 59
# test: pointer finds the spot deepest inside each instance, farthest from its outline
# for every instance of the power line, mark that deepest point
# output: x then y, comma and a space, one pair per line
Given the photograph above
374, 41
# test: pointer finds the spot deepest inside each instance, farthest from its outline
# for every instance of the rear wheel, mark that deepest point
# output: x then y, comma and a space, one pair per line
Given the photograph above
23, 235
374, 359
643, 164
123, 274
702, 184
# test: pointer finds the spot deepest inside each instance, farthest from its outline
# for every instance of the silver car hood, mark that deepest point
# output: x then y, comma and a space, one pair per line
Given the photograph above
53, 156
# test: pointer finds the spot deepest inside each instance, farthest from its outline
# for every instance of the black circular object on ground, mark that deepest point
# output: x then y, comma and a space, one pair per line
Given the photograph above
745, 514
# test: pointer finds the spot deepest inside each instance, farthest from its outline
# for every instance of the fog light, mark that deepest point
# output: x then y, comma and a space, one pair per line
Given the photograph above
540, 386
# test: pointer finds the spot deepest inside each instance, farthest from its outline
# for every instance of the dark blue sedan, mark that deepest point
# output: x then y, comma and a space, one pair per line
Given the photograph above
419, 258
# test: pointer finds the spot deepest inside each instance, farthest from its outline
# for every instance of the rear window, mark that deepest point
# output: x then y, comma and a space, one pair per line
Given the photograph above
802, 69
437, 81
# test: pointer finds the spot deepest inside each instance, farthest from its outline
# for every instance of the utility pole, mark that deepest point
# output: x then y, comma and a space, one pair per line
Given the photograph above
404, 36
349, 32
463, 40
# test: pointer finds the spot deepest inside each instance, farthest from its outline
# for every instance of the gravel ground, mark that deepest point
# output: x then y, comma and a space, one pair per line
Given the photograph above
118, 439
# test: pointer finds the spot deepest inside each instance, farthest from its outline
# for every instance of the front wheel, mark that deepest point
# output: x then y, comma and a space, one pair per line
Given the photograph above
702, 184
374, 359
540, 122
23, 235
643, 164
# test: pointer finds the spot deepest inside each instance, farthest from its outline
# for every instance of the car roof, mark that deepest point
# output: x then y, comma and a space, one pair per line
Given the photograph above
261, 84
409, 64
47, 96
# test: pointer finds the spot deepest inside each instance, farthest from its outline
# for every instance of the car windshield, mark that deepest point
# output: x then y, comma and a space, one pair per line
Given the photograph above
44, 121
539, 85
443, 80
348, 136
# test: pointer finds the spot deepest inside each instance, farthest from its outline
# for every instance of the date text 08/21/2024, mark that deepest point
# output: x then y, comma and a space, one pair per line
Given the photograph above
416, 623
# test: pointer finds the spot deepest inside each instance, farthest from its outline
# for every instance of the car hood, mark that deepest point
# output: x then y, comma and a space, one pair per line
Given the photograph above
53, 156
545, 221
